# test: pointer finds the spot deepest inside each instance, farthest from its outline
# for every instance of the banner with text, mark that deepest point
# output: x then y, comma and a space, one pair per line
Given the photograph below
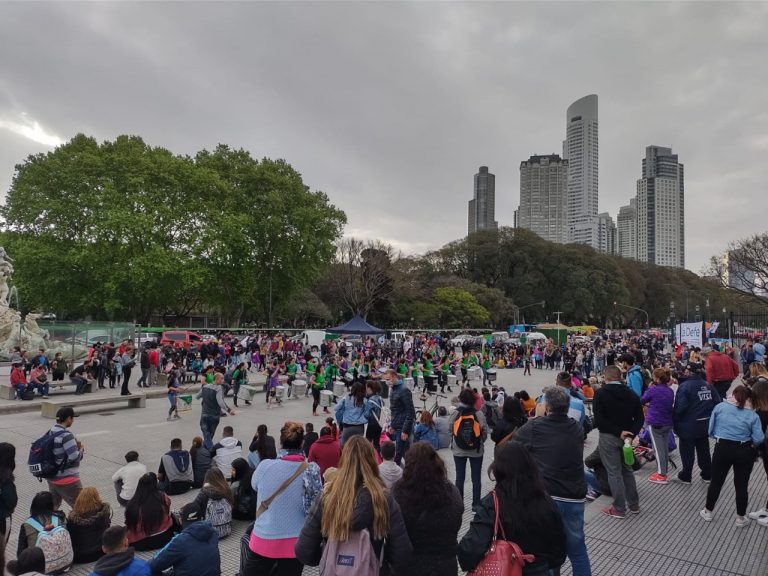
691, 333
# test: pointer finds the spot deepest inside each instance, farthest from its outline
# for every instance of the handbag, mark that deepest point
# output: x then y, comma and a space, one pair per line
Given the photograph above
503, 558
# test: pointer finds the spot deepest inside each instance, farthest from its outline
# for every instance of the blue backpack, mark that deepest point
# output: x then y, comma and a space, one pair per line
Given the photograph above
42, 461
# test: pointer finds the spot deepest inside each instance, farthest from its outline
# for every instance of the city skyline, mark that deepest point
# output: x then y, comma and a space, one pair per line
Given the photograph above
407, 96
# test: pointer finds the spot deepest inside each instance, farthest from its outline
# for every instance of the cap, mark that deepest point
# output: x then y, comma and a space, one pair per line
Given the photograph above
190, 513
64, 413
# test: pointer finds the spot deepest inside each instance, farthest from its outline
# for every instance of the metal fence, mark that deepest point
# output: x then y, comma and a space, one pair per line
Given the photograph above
84, 334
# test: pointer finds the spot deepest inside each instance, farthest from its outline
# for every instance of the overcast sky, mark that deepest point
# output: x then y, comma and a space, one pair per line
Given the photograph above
391, 107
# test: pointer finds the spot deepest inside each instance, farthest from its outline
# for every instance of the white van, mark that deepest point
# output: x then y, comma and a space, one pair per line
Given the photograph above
312, 339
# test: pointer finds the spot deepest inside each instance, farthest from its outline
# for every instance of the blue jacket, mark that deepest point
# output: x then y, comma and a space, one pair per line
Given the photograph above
121, 564
351, 415
401, 406
729, 422
424, 433
194, 552
694, 402
635, 380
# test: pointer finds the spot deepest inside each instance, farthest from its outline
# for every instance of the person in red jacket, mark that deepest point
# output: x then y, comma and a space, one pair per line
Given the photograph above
721, 370
326, 451
18, 379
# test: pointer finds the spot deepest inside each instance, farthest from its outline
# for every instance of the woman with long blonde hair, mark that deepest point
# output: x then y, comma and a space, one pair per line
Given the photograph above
355, 501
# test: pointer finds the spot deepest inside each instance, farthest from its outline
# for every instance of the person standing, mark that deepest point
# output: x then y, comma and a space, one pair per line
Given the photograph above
213, 406
660, 399
694, 402
736, 430
618, 416
127, 362
352, 412
144, 366
8, 496
721, 371
469, 434
403, 415
556, 443
68, 453
154, 363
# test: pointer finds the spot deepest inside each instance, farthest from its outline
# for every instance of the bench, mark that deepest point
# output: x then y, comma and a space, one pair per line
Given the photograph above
7, 392
88, 387
48, 408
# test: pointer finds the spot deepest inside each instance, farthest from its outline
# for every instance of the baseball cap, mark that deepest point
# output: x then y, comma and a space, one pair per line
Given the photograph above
190, 513
64, 413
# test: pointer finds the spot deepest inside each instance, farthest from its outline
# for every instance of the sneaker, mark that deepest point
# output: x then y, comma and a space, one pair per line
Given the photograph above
706, 480
757, 514
763, 521
176, 417
635, 509
681, 481
168, 419
593, 495
657, 478
45, 396
315, 414
613, 513
706, 515
741, 521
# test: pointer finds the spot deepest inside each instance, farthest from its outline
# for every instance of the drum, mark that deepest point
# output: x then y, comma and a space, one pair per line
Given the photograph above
339, 388
349, 377
491, 374
299, 388
326, 398
452, 380
279, 392
246, 392
408, 382
184, 402
475, 373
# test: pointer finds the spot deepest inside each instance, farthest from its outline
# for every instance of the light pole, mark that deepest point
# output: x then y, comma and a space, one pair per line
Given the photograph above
647, 320
541, 303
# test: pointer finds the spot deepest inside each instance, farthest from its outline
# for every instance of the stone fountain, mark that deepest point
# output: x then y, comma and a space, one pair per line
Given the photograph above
27, 334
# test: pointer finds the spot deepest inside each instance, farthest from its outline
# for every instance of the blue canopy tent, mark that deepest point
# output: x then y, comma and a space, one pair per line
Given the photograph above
356, 326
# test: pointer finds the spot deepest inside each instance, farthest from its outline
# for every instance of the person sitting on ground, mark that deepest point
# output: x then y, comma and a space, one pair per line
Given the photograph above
127, 477
119, 558
425, 430
215, 502
226, 450
443, 428
326, 452
243, 496
432, 509
31, 562
175, 473
86, 524
201, 461
262, 447
356, 507
148, 516
310, 437
388, 470
192, 552
41, 514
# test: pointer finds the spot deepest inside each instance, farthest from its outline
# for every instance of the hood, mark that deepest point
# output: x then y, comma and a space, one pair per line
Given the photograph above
113, 564
181, 459
229, 442
635, 368
89, 519
201, 531
325, 439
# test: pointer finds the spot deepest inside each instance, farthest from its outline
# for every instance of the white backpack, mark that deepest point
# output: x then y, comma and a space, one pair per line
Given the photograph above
55, 544
219, 514
384, 417
354, 557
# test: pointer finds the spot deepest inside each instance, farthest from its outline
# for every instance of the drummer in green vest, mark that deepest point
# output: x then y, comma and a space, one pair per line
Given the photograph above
415, 373
445, 370
428, 376
486, 365
311, 370
317, 381
402, 368
464, 367
290, 369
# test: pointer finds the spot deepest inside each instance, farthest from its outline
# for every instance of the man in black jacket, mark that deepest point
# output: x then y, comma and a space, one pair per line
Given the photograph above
403, 414
556, 443
618, 415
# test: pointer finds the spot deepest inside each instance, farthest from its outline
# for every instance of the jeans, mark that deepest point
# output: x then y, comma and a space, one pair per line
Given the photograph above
592, 483
572, 515
620, 476
208, 425
698, 449
660, 441
20, 389
80, 384
143, 380
42, 388
741, 457
476, 470
401, 446
126, 378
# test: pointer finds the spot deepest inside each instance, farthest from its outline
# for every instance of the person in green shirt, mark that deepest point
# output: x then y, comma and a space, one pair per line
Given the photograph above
402, 367
464, 367
428, 376
445, 369
290, 368
415, 373
318, 385
486, 365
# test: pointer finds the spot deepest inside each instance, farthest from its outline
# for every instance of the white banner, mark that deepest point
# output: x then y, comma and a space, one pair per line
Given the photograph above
691, 333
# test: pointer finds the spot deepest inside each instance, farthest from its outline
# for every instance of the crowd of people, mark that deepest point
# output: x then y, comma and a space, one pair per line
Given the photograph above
371, 486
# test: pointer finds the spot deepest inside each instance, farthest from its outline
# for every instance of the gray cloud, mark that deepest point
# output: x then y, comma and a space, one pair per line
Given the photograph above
391, 107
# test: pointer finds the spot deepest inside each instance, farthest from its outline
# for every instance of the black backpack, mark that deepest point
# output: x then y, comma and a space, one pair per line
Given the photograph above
42, 460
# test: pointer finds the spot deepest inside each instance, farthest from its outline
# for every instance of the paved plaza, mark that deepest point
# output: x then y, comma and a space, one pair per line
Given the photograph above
667, 538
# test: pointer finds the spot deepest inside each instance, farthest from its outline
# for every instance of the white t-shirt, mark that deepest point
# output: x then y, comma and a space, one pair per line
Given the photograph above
129, 475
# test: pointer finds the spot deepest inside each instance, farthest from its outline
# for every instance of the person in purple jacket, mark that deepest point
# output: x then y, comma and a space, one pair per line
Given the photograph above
660, 399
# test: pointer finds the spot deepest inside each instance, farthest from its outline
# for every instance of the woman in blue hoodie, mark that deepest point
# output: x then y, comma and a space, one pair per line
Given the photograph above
352, 412
425, 430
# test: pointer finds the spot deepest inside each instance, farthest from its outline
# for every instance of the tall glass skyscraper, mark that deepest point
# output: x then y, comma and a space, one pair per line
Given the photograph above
482, 207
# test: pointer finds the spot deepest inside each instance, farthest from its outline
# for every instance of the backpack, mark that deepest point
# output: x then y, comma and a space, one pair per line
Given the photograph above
55, 543
466, 432
491, 413
355, 556
384, 417
42, 460
219, 514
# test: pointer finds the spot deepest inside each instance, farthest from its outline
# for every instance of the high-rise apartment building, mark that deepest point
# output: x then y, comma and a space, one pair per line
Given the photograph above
661, 209
544, 197
580, 148
482, 207
605, 234
626, 231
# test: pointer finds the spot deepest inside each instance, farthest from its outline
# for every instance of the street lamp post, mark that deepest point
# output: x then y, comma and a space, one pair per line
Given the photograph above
541, 303
647, 319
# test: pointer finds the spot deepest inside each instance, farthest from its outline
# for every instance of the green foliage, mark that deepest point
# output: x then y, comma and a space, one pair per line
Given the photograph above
123, 230
458, 308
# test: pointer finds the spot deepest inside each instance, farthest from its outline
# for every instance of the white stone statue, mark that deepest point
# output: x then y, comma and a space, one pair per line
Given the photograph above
6, 269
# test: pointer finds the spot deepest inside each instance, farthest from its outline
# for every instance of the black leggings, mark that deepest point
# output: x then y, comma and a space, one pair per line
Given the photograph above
740, 457
315, 399
255, 565
373, 434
